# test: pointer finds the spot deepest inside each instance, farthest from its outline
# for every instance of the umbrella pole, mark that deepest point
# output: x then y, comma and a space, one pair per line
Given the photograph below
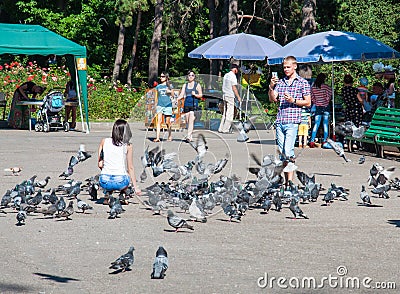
333, 105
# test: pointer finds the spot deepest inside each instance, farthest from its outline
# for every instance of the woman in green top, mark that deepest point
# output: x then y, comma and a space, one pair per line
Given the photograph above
164, 105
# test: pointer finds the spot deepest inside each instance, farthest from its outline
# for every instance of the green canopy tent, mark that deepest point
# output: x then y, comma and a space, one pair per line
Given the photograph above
36, 40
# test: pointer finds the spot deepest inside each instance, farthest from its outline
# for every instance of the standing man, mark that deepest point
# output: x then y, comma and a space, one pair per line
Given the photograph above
293, 92
230, 91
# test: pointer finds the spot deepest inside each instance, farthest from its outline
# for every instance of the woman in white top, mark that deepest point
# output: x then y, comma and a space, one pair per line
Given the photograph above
116, 160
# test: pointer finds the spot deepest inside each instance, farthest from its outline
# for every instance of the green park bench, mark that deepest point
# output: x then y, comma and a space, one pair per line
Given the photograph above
384, 130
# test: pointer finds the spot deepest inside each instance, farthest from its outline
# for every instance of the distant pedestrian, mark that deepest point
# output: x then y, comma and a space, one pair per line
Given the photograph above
321, 95
164, 105
230, 93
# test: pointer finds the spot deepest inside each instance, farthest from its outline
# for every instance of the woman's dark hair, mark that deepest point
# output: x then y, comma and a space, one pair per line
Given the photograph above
121, 132
191, 71
348, 79
168, 82
321, 77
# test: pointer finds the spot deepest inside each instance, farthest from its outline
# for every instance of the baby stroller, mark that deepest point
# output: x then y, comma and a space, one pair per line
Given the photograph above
49, 115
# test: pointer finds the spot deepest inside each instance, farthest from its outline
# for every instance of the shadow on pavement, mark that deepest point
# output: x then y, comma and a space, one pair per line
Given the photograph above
395, 222
56, 278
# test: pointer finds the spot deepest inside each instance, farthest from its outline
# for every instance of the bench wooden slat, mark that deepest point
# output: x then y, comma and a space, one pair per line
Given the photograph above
384, 130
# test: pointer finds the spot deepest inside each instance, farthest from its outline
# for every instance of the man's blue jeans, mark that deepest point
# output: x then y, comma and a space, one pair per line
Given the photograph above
286, 135
317, 122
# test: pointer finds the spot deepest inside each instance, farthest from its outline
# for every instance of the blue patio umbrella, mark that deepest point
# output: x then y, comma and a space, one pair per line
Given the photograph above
334, 46
239, 46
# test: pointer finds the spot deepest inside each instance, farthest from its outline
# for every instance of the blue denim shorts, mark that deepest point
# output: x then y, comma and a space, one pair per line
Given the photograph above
114, 182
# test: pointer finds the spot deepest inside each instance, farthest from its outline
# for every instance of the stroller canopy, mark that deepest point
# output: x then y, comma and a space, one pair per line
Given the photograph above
36, 40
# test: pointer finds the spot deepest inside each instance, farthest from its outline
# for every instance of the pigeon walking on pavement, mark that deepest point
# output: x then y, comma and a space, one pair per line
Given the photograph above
177, 222
124, 262
364, 196
160, 264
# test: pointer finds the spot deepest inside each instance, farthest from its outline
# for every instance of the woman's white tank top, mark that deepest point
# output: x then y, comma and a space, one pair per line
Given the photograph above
114, 158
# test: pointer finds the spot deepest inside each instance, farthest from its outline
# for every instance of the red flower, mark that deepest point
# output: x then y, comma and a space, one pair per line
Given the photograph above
155, 84
120, 89
266, 110
30, 78
30, 63
203, 99
1, 67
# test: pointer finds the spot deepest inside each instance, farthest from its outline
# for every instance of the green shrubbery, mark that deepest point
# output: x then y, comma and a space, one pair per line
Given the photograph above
106, 101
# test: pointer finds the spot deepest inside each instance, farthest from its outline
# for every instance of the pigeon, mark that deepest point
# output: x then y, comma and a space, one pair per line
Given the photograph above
160, 264
177, 222
329, 196
304, 178
277, 201
124, 262
82, 155
338, 149
364, 196
116, 208
200, 146
73, 161
82, 205
266, 205
60, 204
21, 216
43, 183
67, 173
244, 127
68, 211
36, 199
295, 209
381, 190
6, 199
231, 211
16, 171
50, 210
361, 160
196, 212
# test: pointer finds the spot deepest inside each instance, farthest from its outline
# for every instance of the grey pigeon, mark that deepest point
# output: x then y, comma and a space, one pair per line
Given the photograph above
382, 190
338, 149
295, 209
124, 262
68, 211
200, 146
82, 155
116, 208
50, 210
43, 183
364, 196
177, 222
60, 204
266, 205
16, 171
361, 160
329, 196
196, 212
244, 127
6, 199
277, 201
21, 216
82, 205
160, 264
67, 173
232, 211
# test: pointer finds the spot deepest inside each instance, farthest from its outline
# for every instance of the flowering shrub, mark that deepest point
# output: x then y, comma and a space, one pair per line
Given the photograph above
105, 100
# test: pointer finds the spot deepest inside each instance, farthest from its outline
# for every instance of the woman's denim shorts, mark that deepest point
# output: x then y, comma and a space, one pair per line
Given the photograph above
113, 182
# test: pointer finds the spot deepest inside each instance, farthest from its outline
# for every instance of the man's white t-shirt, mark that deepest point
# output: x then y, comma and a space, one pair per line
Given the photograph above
229, 81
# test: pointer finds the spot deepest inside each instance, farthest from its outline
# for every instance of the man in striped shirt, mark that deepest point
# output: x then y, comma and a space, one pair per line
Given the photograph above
292, 92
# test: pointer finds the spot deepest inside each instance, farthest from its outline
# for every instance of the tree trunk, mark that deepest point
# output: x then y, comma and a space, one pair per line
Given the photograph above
119, 54
213, 34
134, 48
232, 17
308, 25
224, 19
155, 42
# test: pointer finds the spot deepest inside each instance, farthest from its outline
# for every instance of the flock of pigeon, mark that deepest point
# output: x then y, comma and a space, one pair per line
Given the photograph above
196, 187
